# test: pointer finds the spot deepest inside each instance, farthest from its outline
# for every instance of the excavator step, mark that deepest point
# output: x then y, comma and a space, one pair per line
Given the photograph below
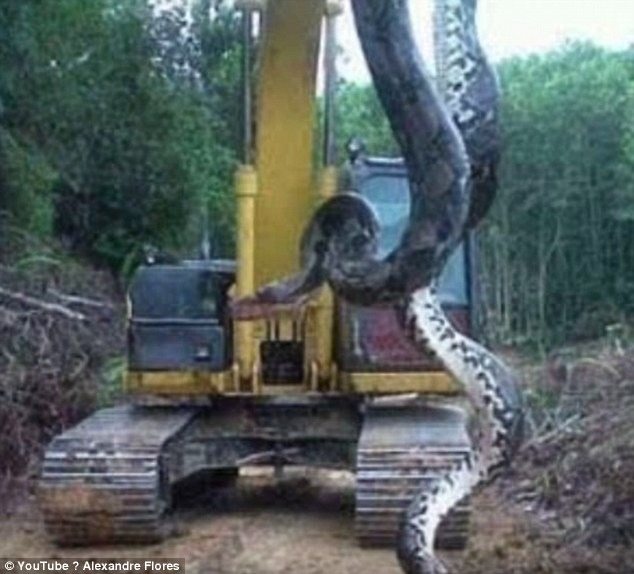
402, 449
103, 480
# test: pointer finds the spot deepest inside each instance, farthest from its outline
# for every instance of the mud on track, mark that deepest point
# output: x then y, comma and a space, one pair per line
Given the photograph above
302, 524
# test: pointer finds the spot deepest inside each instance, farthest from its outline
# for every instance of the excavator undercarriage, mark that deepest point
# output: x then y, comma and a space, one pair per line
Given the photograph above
110, 479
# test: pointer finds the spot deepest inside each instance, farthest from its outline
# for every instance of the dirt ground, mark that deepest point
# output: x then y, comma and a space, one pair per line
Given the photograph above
301, 524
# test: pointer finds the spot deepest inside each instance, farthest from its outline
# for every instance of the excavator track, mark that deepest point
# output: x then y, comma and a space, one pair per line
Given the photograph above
402, 449
104, 480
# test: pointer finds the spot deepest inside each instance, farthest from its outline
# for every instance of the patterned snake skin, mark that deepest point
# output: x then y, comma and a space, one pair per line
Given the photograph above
471, 95
493, 391
451, 150
470, 89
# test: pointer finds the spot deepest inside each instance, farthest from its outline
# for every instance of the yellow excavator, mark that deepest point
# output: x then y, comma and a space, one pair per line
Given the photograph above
333, 386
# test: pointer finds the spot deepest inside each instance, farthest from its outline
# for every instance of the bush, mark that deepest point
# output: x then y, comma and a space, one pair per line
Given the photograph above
52, 358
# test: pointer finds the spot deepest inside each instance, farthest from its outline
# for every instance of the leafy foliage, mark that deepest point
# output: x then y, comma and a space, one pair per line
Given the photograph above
558, 245
26, 179
557, 257
359, 114
130, 148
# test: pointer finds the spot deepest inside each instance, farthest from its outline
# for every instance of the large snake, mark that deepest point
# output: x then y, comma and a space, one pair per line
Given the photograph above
451, 150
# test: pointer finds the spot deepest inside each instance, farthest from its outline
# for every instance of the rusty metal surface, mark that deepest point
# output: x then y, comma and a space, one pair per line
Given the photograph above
373, 339
318, 431
402, 449
283, 419
101, 480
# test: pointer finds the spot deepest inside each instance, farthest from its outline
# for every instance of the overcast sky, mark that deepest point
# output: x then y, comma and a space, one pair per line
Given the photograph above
513, 27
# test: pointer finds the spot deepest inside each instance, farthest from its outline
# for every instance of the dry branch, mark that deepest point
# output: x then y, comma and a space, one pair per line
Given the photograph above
556, 432
77, 300
49, 307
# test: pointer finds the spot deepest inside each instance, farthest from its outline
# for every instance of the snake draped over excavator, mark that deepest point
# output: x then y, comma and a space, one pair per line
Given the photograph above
230, 366
451, 150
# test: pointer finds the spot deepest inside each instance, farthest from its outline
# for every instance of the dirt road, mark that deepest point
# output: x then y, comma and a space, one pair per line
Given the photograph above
300, 525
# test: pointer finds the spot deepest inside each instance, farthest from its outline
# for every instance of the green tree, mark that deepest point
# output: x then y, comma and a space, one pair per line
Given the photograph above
558, 256
359, 114
110, 100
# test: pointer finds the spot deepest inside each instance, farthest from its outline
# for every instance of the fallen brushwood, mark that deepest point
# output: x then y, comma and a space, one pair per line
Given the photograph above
44, 305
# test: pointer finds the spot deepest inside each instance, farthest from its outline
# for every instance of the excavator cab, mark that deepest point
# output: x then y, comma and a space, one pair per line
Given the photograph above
373, 339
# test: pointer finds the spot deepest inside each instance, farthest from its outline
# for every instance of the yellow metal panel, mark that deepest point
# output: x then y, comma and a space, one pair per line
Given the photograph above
178, 382
324, 314
284, 139
436, 382
276, 390
246, 188
201, 383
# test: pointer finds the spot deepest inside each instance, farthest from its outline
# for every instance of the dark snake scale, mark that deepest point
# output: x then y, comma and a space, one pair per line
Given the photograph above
450, 143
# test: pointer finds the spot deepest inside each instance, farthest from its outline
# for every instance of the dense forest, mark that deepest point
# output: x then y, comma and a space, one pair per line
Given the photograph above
117, 123
120, 125
558, 248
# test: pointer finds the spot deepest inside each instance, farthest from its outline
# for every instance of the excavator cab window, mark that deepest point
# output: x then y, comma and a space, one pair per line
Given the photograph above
389, 194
